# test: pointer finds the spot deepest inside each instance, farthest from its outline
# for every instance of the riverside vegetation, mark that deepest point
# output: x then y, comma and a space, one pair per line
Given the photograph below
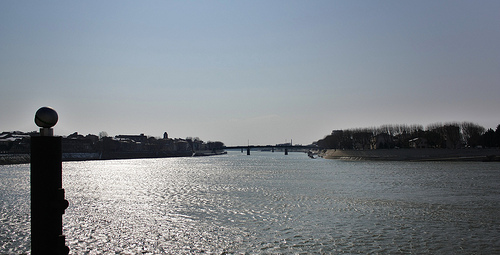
449, 137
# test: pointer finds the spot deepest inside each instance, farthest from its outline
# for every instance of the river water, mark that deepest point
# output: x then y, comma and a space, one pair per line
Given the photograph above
265, 203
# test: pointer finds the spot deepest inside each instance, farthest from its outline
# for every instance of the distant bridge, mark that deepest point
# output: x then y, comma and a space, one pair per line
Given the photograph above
272, 148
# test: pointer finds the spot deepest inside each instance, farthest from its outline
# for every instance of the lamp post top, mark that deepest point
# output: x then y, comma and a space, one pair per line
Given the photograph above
46, 118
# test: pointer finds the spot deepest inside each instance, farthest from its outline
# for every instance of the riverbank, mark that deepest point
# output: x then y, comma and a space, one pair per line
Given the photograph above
415, 154
11, 159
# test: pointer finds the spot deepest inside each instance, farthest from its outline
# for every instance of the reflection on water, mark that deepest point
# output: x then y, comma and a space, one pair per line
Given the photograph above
265, 203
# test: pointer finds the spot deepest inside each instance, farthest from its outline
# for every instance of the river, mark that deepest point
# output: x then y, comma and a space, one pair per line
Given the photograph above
265, 203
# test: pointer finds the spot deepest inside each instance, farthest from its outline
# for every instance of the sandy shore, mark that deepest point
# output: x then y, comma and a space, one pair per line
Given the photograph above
416, 154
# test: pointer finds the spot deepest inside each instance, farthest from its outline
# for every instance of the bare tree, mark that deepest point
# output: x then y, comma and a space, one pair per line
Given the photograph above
103, 134
472, 133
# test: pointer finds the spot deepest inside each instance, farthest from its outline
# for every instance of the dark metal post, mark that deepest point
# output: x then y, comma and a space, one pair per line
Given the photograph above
248, 150
47, 195
286, 151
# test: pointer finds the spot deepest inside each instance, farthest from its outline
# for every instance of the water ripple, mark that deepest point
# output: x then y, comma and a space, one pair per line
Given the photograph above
265, 204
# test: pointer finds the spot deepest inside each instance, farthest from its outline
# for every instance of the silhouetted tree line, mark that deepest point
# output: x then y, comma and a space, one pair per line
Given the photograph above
438, 135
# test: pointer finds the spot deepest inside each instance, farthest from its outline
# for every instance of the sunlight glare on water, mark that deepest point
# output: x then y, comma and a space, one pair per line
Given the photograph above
266, 203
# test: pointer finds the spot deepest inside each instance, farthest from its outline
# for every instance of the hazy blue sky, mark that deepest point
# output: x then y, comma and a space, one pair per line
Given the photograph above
264, 71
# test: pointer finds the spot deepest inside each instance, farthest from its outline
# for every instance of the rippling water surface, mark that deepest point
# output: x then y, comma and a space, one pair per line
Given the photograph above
265, 203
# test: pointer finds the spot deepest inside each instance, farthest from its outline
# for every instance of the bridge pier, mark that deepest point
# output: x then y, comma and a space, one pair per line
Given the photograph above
248, 151
286, 151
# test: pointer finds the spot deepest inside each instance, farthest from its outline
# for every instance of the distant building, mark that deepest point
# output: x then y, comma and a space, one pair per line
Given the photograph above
75, 136
14, 142
135, 138
181, 145
418, 143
